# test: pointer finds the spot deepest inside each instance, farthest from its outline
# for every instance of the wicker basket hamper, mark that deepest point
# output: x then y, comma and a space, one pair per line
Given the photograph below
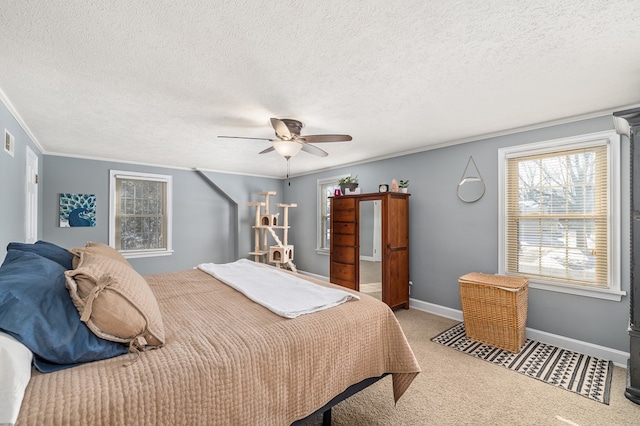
494, 308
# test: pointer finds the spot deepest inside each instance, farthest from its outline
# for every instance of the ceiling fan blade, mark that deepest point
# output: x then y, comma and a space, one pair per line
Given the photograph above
282, 131
244, 137
265, 151
314, 150
326, 138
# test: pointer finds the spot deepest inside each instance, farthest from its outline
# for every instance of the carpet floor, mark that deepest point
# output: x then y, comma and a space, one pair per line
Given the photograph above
457, 389
573, 371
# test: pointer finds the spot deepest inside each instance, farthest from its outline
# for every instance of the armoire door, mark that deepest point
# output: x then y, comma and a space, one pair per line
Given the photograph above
395, 263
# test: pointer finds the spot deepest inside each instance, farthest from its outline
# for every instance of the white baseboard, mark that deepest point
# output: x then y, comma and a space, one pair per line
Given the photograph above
619, 358
441, 311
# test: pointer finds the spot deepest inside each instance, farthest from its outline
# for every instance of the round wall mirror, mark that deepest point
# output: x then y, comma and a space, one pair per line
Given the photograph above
471, 189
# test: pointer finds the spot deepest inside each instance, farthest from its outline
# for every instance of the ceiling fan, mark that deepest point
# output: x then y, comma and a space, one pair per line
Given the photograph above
289, 142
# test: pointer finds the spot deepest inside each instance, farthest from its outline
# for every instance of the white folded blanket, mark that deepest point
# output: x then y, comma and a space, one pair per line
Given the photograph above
278, 291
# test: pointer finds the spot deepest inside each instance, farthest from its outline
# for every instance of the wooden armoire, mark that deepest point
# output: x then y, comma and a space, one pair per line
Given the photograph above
345, 244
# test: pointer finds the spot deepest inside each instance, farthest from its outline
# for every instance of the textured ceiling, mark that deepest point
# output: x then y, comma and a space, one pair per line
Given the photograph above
157, 81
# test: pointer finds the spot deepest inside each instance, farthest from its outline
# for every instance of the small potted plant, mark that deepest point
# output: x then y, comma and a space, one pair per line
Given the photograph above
404, 185
348, 182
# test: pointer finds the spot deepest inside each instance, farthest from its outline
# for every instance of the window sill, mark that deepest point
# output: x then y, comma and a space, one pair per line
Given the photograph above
133, 255
606, 294
324, 252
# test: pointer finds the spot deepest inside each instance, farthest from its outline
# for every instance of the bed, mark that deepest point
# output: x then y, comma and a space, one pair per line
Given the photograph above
228, 361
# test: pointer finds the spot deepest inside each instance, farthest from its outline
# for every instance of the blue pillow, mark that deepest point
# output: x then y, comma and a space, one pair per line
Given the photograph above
36, 309
49, 250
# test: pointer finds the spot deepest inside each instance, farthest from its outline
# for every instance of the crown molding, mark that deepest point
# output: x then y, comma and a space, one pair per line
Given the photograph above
7, 103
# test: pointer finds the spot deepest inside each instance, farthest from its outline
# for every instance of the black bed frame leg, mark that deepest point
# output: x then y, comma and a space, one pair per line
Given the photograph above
326, 418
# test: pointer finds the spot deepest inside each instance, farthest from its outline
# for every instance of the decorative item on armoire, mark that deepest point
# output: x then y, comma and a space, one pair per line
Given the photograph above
349, 185
471, 186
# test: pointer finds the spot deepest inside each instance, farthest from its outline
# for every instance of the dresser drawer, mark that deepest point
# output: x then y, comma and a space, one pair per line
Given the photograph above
344, 204
343, 228
348, 240
344, 215
343, 254
345, 283
342, 272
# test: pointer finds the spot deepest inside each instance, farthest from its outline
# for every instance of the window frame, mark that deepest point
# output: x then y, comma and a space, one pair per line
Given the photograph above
612, 141
168, 180
321, 200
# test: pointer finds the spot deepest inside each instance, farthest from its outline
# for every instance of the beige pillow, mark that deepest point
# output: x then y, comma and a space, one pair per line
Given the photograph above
97, 248
115, 301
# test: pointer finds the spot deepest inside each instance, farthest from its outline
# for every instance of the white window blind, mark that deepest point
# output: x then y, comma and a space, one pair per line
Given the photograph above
557, 216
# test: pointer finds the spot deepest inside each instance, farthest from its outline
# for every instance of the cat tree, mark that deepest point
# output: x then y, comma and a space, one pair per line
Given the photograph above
266, 224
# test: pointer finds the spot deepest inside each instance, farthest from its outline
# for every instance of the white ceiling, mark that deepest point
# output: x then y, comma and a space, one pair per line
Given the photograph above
157, 81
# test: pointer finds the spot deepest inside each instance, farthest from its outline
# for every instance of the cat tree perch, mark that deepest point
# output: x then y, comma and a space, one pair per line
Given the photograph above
266, 224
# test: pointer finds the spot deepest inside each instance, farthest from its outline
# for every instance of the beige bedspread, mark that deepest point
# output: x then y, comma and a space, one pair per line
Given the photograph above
227, 361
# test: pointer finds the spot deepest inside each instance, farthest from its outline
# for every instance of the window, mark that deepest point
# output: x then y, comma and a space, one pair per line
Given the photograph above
559, 208
326, 188
140, 213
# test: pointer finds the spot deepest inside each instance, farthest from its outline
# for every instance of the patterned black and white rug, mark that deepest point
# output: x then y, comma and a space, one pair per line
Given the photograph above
573, 371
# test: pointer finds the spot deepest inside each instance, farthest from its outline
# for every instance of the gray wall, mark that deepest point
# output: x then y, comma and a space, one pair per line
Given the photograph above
450, 238
203, 219
13, 182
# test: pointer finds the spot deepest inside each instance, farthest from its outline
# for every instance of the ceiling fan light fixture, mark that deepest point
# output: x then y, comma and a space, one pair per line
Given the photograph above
288, 142
287, 149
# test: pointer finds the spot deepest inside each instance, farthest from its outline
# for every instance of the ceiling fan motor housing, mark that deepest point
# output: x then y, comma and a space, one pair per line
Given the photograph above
294, 126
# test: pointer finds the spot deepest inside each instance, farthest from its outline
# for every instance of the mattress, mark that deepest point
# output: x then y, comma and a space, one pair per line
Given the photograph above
227, 360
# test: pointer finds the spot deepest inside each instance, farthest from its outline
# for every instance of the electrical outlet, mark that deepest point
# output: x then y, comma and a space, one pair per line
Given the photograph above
9, 143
